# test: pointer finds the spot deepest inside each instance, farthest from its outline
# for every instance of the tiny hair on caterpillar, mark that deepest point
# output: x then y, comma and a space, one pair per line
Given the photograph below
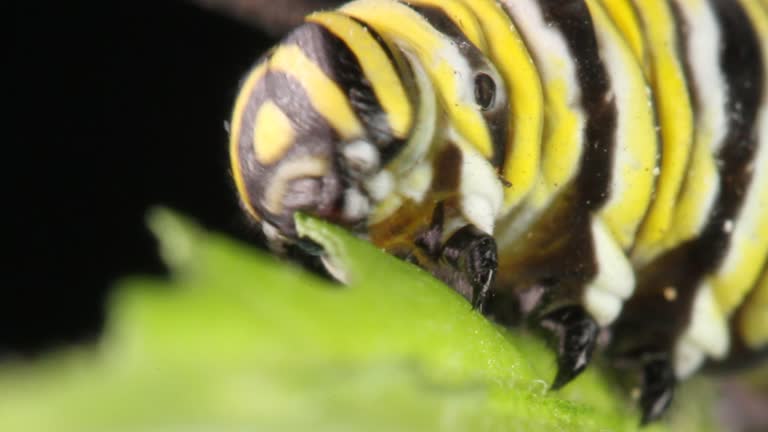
586, 167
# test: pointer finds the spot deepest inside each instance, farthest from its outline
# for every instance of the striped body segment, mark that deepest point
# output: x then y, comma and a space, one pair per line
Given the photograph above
579, 165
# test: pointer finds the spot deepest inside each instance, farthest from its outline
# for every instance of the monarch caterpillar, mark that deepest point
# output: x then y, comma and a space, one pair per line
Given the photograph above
588, 166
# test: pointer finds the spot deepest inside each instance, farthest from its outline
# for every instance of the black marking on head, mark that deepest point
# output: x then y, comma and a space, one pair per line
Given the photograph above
340, 64
405, 73
380, 40
252, 172
291, 97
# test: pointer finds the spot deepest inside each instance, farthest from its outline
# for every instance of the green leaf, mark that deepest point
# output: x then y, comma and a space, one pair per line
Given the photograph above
238, 340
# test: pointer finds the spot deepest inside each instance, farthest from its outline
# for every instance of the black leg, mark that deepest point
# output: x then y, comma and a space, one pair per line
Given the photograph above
472, 253
431, 239
576, 334
658, 388
467, 260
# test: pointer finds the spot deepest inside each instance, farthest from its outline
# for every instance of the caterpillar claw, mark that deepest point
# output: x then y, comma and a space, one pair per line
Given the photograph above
658, 389
576, 333
472, 253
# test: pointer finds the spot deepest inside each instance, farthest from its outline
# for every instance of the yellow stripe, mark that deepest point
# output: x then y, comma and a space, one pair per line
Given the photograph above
622, 12
696, 197
436, 51
324, 94
676, 121
562, 139
562, 133
461, 16
749, 240
698, 193
377, 68
510, 55
234, 135
764, 5
636, 146
273, 133
754, 319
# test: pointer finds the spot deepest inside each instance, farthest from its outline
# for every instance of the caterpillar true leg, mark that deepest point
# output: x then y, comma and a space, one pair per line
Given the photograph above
658, 387
472, 253
576, 332
468, 254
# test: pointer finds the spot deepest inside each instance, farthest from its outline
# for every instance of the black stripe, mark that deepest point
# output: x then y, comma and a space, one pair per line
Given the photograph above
405, 73
380, 40
340, 64
573, 20
497, 120
441, 22
743, 74
682, 33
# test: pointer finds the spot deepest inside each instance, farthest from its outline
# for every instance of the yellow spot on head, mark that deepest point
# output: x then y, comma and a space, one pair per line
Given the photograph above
273, 133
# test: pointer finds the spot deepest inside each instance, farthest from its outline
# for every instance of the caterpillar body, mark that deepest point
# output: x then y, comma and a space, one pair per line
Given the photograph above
588, 166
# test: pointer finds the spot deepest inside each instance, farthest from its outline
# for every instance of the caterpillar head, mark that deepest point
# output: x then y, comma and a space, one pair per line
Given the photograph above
318, 119
313, 121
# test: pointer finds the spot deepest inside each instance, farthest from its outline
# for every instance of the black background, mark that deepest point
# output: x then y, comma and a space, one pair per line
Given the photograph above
115, 107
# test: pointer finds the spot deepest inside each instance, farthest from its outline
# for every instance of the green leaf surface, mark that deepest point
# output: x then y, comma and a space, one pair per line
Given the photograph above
237, 340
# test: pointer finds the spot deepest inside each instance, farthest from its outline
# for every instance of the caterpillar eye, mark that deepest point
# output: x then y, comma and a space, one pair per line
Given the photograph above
485, 91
